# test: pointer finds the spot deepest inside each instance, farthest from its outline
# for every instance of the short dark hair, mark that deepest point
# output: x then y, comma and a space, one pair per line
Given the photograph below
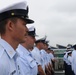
4, 22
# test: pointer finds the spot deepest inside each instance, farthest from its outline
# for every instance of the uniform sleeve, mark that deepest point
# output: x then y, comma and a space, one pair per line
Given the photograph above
70, 59
74, 68
36, 57
74, 65
23, 66
3, 69
74, 62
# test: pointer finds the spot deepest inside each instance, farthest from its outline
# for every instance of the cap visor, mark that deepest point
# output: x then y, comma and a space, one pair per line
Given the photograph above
34, 35
29, 21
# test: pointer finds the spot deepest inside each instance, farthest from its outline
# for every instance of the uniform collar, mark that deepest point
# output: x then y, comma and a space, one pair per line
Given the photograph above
22, 50
36, 49
7, 47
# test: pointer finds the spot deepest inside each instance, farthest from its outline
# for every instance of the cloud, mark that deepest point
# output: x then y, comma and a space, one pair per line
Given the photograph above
55, 18
65, 6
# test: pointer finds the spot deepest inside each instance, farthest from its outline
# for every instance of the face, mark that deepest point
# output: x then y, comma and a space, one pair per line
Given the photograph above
42, 45
19, 31
48, 51
45, 47
51, 51
30, 41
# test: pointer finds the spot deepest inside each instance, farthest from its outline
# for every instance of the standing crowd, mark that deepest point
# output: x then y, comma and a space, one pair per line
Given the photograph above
20, 52
70, 60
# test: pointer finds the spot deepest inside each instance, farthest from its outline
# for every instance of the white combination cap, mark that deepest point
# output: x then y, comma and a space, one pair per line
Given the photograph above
32, 28
6, 5
38, 39
32, 31
69, 52
14, 8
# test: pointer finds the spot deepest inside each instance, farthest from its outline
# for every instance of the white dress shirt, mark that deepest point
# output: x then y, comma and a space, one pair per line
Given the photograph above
36, 54
28, 65
8, 64
74, 61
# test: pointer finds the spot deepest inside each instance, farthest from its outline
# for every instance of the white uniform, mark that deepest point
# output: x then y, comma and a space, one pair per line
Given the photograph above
37, 56
65, 58
7, 59
74, 61
50, 56
70, 60
44, 56
28, 65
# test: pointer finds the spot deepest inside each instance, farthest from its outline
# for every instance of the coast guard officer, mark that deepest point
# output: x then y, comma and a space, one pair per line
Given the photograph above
37, 55
28, 65
13, 20
70, 72
66, 61
74, 59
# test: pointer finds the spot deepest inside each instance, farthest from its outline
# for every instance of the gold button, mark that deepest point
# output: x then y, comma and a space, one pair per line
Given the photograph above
12, 14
